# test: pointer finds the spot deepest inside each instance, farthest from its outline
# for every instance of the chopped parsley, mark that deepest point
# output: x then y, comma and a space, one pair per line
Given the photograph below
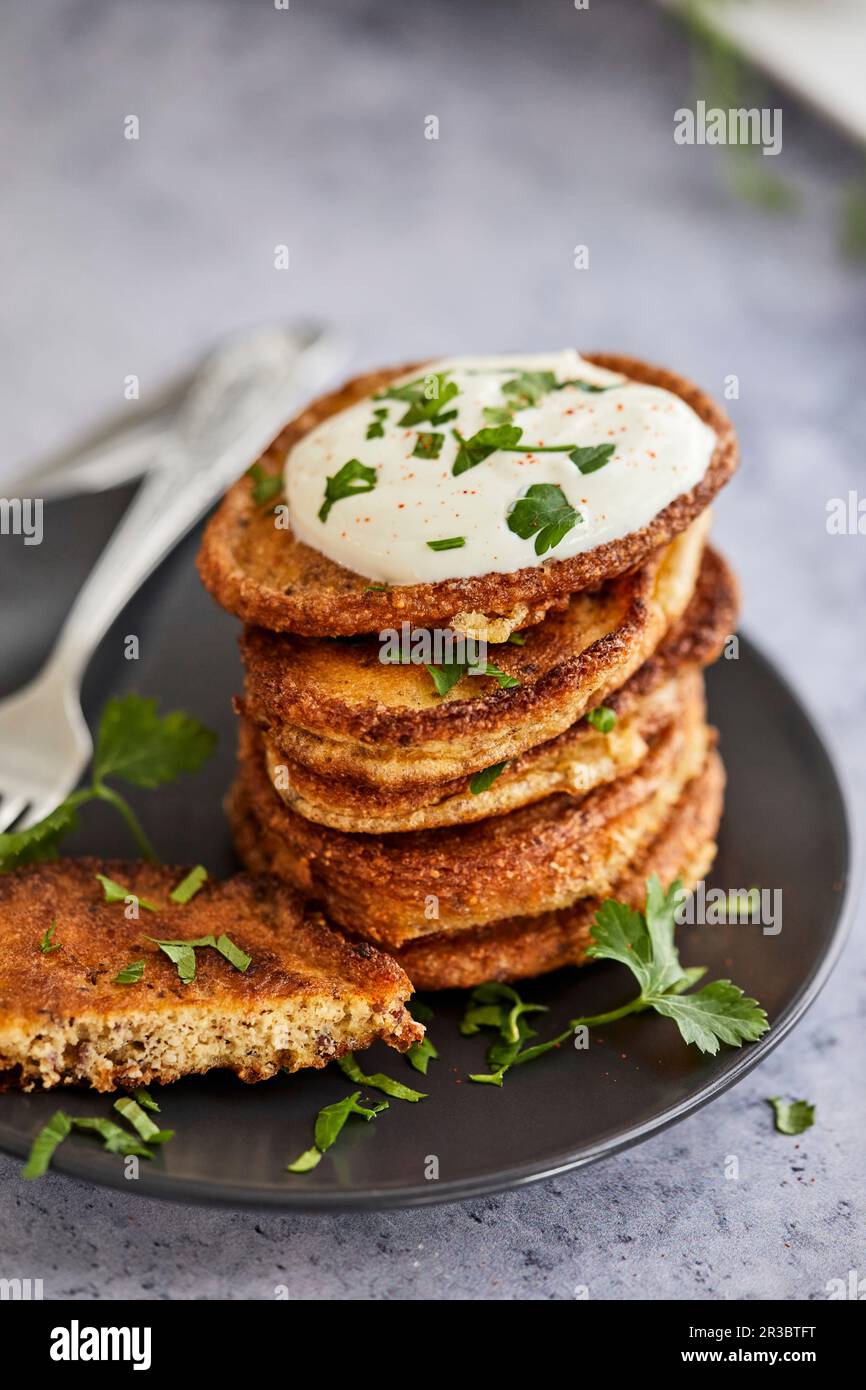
116, 893
378, 1081
266, 486
544, 512
602, 718
422, 1053
376, 428
130, 974
141, 1121
482, 444
47, 944
592, 457
452, 543
114, 1139
351, 480
446, 676
189, 886
426, 397
792, 1116
428, 446
182, 953
329, 1126
486, 777
133, 743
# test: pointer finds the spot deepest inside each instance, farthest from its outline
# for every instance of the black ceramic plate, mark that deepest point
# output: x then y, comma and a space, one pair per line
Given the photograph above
785, 827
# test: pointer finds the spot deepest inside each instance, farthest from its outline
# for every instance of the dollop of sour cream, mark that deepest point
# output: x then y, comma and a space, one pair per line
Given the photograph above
661, 449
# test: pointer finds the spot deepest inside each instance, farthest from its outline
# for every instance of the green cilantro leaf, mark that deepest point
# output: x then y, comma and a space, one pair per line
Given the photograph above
352, 479
792, 1116
116, 893
146, 749
378, 1081
602, 718
544, 512
130, 974
482, 444
47, 944
593, 457
189, 886
486, 777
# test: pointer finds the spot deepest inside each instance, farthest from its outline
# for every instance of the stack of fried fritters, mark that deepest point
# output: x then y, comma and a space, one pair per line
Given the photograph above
472, 834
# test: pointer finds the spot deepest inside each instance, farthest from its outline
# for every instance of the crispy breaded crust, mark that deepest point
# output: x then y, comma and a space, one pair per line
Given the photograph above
541, 857
335, 708
527, 946
270, 579
307, 996
576, 760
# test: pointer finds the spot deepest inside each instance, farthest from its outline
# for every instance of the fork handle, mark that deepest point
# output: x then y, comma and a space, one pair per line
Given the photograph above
162, 511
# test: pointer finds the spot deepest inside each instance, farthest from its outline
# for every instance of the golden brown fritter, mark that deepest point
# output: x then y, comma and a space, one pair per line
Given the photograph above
307, 996
575, 761
270, 579
527, 946
393, 888
339, 711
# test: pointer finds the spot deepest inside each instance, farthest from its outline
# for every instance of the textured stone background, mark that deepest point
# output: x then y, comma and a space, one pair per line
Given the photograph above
306, 127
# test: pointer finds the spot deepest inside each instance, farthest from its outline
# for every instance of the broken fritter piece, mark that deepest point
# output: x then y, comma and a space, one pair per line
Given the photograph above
306, 995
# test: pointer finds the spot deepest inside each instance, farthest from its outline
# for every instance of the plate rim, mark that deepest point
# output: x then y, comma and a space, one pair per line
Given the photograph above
85, 1167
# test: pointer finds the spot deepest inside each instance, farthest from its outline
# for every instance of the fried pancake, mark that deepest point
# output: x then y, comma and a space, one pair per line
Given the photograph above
576, 761
393, 888
270, 579
336, 709
307, 996
522, 947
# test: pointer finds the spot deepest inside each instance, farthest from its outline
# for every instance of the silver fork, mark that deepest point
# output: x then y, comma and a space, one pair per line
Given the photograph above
236, 406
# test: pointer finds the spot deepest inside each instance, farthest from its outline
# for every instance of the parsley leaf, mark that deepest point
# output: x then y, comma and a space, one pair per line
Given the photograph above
351, 480
378, 1081
602, 718
116, 893
189, 886
114, 1139
452, 543
482, 444
130, 974
544, 512
792, 1116
40, 841
422, 1053
137, 745
145, 1099
486, 777
46, 1141
427, 396
266, 486
329, 1125
720, 1012
428, 446
527, 388
182, 953
446, 676
47, 943
141, 1121
592, 457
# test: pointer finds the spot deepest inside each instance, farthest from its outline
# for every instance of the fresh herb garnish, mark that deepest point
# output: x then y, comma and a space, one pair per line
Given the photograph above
446, 676
644, 941
422, 1053
130, 974
452, 543
544, 512
189, 886
486, 777
501, 1008
141, 1121
428, 446
266, 486
182, 953
602, 718
351, 480
426, 397
378, 1081
527, 388
482, 444
376, 428
116, 893
792, 1116
592, 457
145, 1100
590, 387
47, 944
517, 639
114, 1139
329, 1124
133, 743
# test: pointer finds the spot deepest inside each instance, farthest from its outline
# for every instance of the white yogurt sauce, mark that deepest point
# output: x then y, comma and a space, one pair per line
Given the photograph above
662, 449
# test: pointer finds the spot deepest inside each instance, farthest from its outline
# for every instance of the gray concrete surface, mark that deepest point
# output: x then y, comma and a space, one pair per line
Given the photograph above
306, 127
